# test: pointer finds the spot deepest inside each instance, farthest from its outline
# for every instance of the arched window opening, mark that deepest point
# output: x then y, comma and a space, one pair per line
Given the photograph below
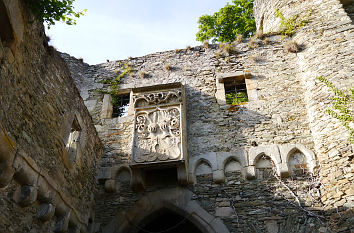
264, 168
203, 173
73, 143
233, 170
297, 164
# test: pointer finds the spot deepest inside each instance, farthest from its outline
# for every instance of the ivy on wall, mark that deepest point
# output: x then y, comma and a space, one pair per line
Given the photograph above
343, 106
114, 84
290, 25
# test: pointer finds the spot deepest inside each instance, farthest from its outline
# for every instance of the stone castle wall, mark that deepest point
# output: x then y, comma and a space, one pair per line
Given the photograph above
285, 116
278, 163
328, 43
47, 179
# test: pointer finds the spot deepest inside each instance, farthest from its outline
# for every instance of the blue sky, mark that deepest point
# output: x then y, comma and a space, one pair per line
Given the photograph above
118, 29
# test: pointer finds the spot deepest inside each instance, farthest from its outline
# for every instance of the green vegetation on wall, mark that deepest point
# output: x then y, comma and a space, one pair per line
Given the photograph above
49, 11
343, 106
226, 24
236, 99
289, 26
114, 84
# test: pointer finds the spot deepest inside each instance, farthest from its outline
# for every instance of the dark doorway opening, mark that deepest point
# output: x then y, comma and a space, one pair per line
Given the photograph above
168, 222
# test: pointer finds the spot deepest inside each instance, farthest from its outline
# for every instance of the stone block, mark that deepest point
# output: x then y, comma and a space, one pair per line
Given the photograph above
45, 211
62, 224
250, 172
6, 173
105, 173
110, 186
45, 191
7, 147
107, 108
271, 226
219, 176
25, 195
218, 226
224, 212
24, 174
283, 169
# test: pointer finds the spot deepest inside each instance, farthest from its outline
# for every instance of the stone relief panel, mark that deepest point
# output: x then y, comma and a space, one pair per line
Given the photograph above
157, 98
157, 135
159, 132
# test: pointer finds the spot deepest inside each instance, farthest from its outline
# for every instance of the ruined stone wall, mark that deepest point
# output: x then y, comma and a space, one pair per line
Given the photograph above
285, 117
216, 133
48, 144
328, 44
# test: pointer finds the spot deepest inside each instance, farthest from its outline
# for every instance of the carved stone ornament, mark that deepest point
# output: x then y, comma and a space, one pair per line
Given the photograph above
157, 135
156, 98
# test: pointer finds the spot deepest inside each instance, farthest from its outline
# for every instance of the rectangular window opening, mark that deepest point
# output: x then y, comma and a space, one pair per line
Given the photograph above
120, 105
235, 91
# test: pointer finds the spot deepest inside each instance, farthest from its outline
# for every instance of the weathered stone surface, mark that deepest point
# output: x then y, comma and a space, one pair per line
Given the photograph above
271, 226
62, 223
224, 212
6, 173
38, 102
107, 108
110, 186
25, 195
284, 119
45, 211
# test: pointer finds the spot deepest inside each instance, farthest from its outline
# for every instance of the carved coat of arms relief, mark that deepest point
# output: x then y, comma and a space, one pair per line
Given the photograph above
157, 133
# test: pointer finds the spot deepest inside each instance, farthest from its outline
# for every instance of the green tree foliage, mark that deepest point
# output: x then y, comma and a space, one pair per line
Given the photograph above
230, 21
50, 11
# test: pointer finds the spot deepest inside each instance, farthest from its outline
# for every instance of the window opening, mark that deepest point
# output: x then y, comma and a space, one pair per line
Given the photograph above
236, 91
121, 105
6, 32
73, 142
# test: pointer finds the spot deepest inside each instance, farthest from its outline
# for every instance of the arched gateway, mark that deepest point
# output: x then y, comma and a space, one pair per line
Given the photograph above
169, 210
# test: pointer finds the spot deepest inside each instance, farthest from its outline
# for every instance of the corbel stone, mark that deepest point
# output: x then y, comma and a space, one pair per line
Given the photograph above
219, 176
62, 224
110, 186
182, 174
250, 172
6, 174
24, 173
7, 147
283, 170
45, 211
25, 195
45, 191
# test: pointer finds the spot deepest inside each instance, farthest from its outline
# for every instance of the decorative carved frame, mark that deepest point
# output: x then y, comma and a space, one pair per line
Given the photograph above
159, 132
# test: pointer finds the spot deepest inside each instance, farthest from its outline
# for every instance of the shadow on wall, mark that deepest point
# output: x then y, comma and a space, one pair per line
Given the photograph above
181, 210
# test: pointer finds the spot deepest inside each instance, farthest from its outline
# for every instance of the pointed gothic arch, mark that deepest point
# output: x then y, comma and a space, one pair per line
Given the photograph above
175, 202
